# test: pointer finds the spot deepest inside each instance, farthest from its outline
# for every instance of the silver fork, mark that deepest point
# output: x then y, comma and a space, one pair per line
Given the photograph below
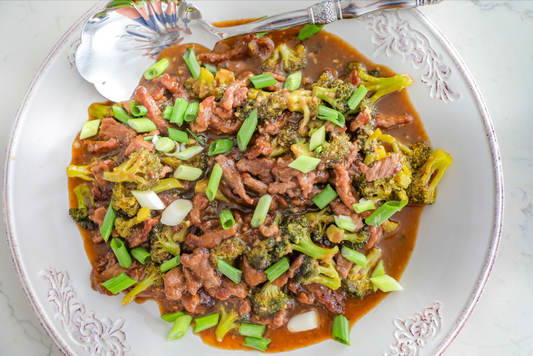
119, 43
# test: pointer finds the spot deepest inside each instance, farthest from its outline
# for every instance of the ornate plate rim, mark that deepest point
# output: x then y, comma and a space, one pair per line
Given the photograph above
489, 127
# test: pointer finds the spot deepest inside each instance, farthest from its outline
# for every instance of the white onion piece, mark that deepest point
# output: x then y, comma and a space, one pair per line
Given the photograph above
148, 199
303, 322
154, 139
176, 212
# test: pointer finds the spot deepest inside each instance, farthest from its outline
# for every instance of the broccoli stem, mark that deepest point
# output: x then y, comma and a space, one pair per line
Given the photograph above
142, 285
228, 321
307, 247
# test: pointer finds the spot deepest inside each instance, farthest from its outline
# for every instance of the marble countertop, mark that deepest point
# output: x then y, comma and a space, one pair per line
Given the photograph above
494, 38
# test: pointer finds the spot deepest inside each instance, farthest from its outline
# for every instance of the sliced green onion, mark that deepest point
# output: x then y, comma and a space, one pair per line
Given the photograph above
192, 63
341, 329
319, 149
140, 254
167, 184
293, 81
305, 164
192, 111
164, 144
149, 138
214, 181
334, 116
229, 271
386, 283
137, 110
378, 271
142, 125
168, 265
252, 330
180, 327
117, 284
178, 112
187, 173
227, 219
344, 222
121, 253
308, 31
259, 344
356, 97
276, 270
247, 130
263, 80
221, 146
317, 138
364, 205
189, 153
200, 141
90, 128
354, 256
178, 135
210, 68
168, 112
171, 317
176, 212
108, 223
205, 322
261, 211
121, 114
325, 197
384, 212
156, 69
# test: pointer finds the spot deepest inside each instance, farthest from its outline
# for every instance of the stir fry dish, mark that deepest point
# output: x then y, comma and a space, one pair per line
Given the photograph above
267, 193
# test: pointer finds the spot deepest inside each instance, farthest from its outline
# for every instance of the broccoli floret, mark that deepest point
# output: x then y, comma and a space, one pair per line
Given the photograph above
142, 167
417, 153
336, 149
260, 255
381, 86
98, 111
305, 102
81, 214
292, 59
269, 299
209, 85
312, 272
162, 243
357, 284
122, 199
318, 222
153, 277
354, 241
383, 189
228, 250
325, 80
269, 106
83, 172
124, 226
229, 320
336, 95
282, 247
423, 186
296, 229
282, 142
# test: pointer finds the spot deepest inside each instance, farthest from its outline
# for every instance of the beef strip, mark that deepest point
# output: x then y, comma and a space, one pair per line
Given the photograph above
241, 305
143, 97
248, 46
227, 289
388, 121
139, 233
260, 146
343, 265
259, 167
340, 209
174, 282
197, 268
136, 144
252, 277
254, 184
376, 234
199, 204
232, 178
211, 238
384, 168
333, 300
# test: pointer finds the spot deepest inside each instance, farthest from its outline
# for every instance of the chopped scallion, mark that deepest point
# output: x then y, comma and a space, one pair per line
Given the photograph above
227, 219
205, 322
178, 112
117, 284
354, 256
149, 138
384, 212
178, 135
140, 254
261, 211
167, 184
214, 181
293, 81
276, 270
247, 130
308, 31
189, 153
123, 257
364, 205
121, 114
171, 317
167, 113
305, 164
344, 222
210, 68
229, 271
200, 141
317, 138
90, 128
221, 146
142, 125
263, 80
334, 116
386, 283
108, 223
252, 330
341, 329
187, 173
256, 343
137, 110
192, 63
378, 271
164, 144
180, 327
325, 197
156, 69
192, 111
356, 97
168, 265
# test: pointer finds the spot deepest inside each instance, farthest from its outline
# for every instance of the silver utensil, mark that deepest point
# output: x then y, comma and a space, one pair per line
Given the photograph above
119, 43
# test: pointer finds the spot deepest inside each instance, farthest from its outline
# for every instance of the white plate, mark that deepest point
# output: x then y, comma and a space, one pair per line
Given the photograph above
457, 240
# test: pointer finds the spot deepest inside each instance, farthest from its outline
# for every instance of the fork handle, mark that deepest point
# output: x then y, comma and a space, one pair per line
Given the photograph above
321, 13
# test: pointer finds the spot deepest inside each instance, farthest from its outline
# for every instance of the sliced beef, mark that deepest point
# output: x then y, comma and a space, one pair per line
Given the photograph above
343, 265
136, 144
143, 97
199, 204
139, 233
254, 184
248, 46
198, 303
384, 168
362, 119
241, 305
174, 282
205, 113
259, 167
198, 268
333, 300
295, 265
102, 147
376, 234
232, 178
227, 289
112, 129
98, 172
172, 85
353, 78
107, 267
273, 127
335, 129
261, 146
211, 238
252, 277
273, 321
281, 280
339, 208
234, 96
343, 182
388, 121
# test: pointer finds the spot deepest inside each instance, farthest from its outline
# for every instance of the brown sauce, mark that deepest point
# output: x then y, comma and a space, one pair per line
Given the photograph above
325, 51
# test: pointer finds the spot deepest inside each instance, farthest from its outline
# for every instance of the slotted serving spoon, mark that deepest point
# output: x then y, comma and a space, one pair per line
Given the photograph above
121, 42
